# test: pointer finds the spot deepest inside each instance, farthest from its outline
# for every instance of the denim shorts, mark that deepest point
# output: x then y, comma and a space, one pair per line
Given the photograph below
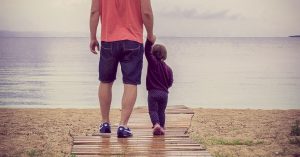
130, 56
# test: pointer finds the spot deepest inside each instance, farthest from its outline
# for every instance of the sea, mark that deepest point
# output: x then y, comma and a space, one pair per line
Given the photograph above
209, 72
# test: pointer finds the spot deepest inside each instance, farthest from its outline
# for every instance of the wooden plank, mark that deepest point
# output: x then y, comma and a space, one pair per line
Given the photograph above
91, 142
170, 107
149, 129
133, 139
136, 147
108, 149
177, 142
135, 136
170, 110
112, 139
133, 144
126, 150
177, 111
155, 154
144, 135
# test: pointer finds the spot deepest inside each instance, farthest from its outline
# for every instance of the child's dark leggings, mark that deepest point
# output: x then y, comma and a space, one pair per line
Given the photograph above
157, 103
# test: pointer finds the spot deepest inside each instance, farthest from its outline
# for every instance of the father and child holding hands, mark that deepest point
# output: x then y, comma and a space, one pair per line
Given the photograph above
122, 24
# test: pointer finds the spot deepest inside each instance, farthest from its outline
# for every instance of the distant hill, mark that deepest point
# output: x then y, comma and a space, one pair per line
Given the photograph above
4, 33
18, 34
294, 36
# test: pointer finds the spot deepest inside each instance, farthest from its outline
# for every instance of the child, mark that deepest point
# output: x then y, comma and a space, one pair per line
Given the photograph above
159, 79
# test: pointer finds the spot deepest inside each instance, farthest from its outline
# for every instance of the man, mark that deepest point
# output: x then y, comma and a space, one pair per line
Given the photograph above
121, 42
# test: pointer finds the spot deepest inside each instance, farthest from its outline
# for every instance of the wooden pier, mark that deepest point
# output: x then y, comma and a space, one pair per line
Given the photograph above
175, 142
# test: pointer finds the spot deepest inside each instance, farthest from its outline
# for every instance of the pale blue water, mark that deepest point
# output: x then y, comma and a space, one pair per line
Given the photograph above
208, 72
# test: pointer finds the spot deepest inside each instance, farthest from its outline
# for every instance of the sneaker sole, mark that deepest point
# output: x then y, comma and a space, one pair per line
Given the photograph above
124, 136
157, 131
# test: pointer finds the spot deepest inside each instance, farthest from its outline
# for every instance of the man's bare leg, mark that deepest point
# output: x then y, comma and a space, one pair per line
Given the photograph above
128, 101
105, 94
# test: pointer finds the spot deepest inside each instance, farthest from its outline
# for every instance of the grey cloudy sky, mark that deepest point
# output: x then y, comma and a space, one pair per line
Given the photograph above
172, 17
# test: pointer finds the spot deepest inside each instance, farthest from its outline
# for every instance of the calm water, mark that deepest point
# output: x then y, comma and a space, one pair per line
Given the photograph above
208, 72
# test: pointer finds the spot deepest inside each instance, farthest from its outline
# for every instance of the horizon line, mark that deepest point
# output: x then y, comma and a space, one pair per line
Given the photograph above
47, 34
54, 36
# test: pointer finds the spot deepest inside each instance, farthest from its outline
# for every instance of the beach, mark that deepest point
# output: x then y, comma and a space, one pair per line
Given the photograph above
234, 63
224, 132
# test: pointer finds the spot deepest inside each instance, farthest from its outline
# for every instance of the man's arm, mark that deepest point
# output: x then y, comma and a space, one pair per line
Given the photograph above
94, 20
147, 16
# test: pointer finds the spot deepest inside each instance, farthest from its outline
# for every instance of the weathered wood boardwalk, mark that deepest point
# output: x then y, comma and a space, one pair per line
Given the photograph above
175, 143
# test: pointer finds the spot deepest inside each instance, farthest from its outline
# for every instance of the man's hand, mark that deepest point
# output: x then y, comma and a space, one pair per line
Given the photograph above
93, 45
151, 38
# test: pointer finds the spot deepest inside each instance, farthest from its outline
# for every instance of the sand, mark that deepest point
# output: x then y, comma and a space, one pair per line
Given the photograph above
246, 132
224, 132
45, 132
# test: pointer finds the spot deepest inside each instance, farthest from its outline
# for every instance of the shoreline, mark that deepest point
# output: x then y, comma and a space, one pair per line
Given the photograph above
227, 132
114, 107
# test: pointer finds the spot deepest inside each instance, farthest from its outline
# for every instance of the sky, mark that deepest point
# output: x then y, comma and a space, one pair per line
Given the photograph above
205, 18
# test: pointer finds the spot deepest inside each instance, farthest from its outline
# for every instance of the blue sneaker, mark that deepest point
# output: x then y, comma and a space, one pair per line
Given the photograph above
124, 132
104, 128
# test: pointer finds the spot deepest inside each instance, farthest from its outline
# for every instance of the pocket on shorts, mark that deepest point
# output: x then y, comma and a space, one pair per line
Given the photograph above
106, 49
132, 45
106, 45
133, 50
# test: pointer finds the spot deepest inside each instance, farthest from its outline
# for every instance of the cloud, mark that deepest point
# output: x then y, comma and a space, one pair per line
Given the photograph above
203, 15
172, 17
70, 2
